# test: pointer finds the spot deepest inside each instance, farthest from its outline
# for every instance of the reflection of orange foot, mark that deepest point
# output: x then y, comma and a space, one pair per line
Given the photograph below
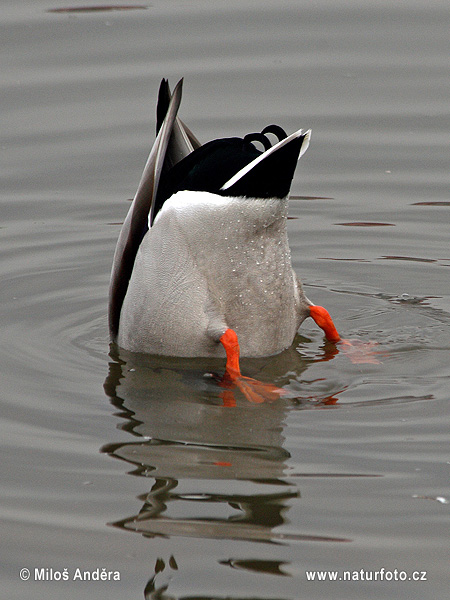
330, 401
228, 398
360, 352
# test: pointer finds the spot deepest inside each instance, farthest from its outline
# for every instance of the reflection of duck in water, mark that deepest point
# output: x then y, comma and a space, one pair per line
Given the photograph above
202, 264
207, 472
216, 472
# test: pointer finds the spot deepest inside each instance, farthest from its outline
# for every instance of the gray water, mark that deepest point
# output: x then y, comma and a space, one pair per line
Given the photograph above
142, 466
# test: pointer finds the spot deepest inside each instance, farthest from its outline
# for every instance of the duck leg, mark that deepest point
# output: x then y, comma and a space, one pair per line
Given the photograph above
230, 342
358, 352
322, 318
254, 390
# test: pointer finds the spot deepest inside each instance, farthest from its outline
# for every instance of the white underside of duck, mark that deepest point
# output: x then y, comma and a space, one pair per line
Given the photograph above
207, 264
202, 266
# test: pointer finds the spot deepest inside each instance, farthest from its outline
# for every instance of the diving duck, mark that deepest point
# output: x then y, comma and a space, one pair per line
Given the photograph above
202, 265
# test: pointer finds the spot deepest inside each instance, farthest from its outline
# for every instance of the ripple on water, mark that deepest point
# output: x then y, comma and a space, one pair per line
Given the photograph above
53, 301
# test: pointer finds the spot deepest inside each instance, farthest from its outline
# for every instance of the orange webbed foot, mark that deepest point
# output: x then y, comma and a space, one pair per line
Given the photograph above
358, 352
255, 391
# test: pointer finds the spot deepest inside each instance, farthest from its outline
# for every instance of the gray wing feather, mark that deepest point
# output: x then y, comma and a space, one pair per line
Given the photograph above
173, 142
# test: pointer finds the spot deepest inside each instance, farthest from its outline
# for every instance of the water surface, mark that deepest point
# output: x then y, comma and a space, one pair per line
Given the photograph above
147, 466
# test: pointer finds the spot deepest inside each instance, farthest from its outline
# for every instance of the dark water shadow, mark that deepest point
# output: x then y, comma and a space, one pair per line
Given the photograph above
97, 8
158, 583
